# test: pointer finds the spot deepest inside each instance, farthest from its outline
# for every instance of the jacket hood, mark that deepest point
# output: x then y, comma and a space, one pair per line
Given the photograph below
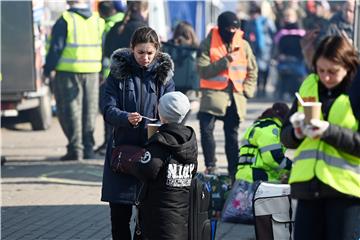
84, 12
180, 139
123, 62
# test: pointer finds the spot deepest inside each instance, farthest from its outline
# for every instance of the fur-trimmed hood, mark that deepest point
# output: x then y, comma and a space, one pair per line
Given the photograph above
123, 63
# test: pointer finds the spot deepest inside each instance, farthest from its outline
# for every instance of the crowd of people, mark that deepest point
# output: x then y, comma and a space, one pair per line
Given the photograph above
141, 80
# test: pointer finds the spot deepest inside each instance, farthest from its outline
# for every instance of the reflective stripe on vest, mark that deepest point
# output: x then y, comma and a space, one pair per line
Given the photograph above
238, 67
255, 152
270, 147
283, 163
315, 157
330, 160
246, 160
83, 50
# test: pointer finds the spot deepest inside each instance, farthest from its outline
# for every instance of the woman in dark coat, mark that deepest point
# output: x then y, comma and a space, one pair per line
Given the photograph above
138, 78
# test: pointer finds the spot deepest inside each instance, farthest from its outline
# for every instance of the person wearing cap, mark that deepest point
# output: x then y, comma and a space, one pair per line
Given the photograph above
262, 156
167, 168
228, 74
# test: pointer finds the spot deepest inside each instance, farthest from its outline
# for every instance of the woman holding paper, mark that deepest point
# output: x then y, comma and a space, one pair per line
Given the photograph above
325, 177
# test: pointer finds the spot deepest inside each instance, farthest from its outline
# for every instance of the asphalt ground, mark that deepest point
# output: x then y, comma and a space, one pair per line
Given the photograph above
44, 198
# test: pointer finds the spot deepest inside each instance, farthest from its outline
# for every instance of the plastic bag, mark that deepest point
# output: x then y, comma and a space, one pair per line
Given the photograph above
238, 207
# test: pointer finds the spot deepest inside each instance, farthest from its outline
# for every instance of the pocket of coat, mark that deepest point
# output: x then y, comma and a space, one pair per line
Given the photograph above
214, 102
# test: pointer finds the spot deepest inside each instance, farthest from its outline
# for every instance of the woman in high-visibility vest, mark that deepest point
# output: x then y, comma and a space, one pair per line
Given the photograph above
325, 176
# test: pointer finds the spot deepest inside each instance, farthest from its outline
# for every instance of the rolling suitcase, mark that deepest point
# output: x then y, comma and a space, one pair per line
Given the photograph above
274, 212
199, 220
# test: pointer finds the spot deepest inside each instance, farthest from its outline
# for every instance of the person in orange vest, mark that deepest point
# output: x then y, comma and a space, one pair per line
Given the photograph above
228, 74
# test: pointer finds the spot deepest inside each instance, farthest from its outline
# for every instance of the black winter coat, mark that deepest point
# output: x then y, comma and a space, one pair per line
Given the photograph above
125, 86
168, 170
355, 95
344, 139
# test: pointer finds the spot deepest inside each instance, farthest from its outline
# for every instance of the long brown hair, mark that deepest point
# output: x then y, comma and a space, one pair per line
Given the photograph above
133, 7
338, 50
184, 34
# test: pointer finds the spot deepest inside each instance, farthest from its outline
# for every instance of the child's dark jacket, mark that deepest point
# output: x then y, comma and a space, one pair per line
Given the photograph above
168, 172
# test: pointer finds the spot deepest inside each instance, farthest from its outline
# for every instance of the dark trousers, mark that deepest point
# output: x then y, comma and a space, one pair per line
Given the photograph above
328, 219
231, 127
77, 96
120, 221
262, 82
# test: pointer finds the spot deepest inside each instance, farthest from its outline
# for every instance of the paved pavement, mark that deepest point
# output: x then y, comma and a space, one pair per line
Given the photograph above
43, 198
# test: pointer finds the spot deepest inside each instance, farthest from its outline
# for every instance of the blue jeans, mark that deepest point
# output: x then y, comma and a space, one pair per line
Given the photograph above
231, 127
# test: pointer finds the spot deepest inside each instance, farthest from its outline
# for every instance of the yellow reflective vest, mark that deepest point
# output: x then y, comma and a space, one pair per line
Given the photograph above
83, 50
256, 156
109, 23
315, 157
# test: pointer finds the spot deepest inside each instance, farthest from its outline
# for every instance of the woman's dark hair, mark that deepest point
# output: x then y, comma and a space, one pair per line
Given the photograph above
254, 8
133, 7
338, 50
145, 35
184, 34
278, 110
106, 9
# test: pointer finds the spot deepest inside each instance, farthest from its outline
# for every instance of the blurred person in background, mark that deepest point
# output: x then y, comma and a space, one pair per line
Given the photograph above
111, 16
120, 34
325, 175
228, 74
75, 55
183, 48
290, 63
341, 24
259, 31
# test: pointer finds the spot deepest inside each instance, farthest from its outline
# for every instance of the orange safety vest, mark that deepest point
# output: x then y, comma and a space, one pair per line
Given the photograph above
237, 70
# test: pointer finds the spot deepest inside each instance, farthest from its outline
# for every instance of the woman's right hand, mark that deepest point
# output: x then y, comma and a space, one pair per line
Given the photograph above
134, 118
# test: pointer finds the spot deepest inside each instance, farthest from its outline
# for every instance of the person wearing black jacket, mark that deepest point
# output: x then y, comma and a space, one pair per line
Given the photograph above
168, 167
120, 34
355, 95
325, 176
